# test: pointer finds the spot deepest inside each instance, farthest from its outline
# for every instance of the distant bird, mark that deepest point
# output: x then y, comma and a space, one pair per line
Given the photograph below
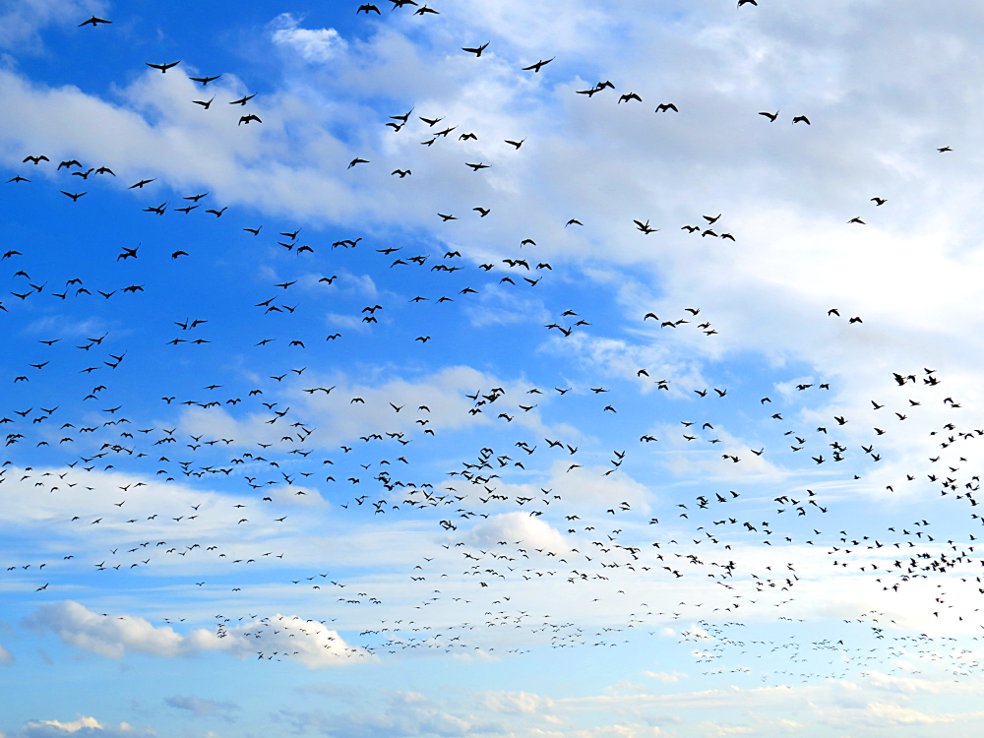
205, 80
879, 201
663, 107
517, 144
629, 96
771, 116
367, 9
36, 159
856, 219
94, 21
243, 100
204, 103
801, 119
355, 161
247, 118
944, 149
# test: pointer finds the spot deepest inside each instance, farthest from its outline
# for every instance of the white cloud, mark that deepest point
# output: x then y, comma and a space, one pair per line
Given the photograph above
20, 22
202, 707
313, 45
113, 636
6, 657
87, 726
664, 677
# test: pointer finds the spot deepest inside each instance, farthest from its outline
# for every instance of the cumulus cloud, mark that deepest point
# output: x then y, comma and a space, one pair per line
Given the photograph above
81, 726
112, 636
518, 526
312, 44
6, 657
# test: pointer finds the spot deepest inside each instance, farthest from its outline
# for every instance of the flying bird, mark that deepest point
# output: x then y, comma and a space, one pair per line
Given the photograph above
163, 67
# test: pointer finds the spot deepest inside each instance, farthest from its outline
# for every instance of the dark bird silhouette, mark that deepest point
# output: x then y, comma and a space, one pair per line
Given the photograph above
539, 65
163, 67
771, 116
477, 51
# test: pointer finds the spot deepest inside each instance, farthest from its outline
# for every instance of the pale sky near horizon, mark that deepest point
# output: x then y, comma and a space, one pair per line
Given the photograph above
619, 379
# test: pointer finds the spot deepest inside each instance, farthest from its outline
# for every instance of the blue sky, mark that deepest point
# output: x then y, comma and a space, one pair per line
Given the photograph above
328, 461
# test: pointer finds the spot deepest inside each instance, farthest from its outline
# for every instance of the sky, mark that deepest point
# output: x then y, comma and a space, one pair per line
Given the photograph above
512, 370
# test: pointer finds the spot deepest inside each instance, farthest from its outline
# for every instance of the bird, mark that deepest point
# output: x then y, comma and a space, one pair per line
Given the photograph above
355, 161
205, 80
94, 21
771, 116
663, 107
251, 117
243, 100
163, 67
801, 119
535, 68
477, 50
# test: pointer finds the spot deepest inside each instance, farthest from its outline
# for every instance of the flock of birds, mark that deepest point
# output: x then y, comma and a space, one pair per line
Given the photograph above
603, 548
